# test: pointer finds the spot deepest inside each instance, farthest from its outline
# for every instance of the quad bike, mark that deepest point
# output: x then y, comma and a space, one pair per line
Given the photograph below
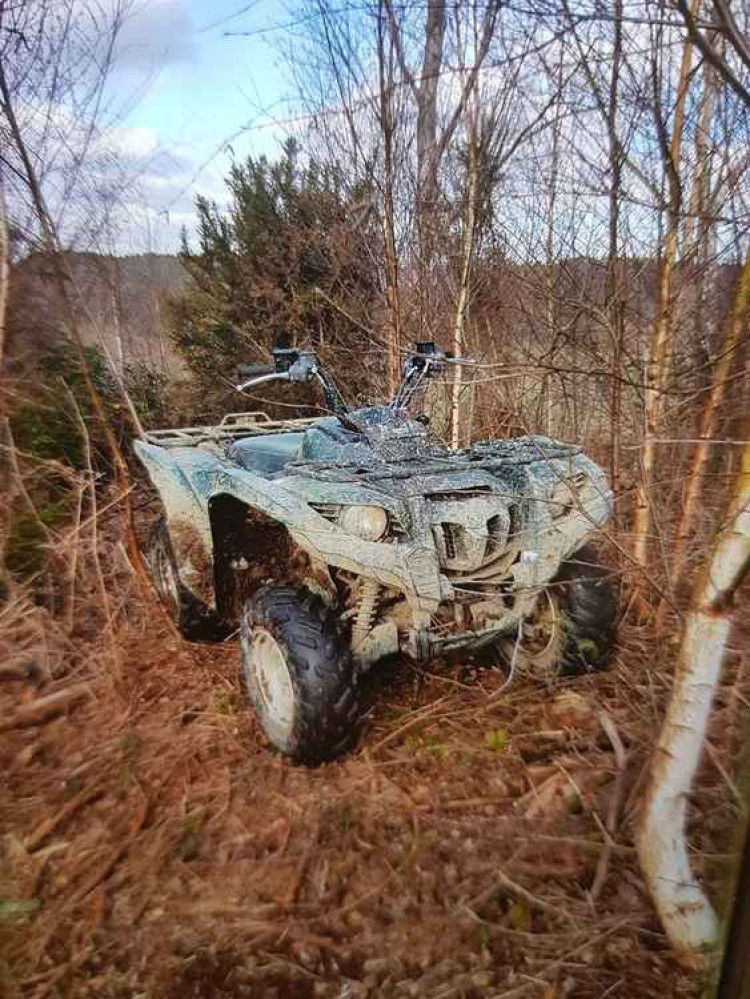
333, 543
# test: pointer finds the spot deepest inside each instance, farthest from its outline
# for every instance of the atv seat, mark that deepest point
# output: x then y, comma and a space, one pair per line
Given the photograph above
266, 454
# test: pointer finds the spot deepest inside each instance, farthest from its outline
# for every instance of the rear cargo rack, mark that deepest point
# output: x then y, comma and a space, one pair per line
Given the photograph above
233, 426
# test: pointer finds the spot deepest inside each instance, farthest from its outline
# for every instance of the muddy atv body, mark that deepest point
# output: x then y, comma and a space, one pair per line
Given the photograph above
332, 543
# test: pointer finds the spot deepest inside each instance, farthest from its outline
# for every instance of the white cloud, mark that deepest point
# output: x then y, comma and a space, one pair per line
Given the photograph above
133, 141
154, 34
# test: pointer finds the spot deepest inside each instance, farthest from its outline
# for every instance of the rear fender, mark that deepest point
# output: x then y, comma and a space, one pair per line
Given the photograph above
186, 512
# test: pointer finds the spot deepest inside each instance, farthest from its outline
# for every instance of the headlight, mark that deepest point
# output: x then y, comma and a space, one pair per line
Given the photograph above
367, 522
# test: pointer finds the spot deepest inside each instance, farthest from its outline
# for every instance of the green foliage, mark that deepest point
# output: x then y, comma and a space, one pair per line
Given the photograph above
17, 913
24, 553
519, 916
288, 231
496, 739
46, 425
149, 392
224, 702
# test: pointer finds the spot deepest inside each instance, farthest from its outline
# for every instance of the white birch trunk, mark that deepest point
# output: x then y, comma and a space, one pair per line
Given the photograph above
685, 911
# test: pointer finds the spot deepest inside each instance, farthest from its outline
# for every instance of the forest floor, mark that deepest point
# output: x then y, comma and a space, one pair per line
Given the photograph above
154, 847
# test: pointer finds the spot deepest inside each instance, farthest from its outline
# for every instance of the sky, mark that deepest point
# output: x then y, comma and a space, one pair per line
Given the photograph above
186, 97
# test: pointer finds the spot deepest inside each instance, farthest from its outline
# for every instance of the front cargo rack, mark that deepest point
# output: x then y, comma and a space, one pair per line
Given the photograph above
233, 426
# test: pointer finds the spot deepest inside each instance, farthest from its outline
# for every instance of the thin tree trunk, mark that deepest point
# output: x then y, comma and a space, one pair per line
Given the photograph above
4, 272
432, 62
697, 221
427, 167
459, 327
735, 972
6, 514
614, 301
700, 229
432, 141
737, 326
387, 126
550, 276
659, 353
116, 307
684, 909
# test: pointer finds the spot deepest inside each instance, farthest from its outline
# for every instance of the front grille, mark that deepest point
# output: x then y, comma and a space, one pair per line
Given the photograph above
450, 538
471, 529
495, 537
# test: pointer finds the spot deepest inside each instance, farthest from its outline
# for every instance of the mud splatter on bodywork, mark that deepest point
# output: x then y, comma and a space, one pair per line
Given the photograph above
471, 535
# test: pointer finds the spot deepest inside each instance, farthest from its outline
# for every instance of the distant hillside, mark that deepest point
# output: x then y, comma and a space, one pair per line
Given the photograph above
123, 311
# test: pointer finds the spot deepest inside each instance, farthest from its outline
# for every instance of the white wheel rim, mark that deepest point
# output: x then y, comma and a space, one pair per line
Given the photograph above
272, 681
553, 616
541, 663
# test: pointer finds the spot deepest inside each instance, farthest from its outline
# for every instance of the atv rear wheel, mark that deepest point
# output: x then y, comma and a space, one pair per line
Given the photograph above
194, 620
299, 674
573, 628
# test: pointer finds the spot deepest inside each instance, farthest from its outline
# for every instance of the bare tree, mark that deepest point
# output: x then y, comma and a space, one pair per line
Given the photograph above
659, 351
386, 60
737, 327
723, 24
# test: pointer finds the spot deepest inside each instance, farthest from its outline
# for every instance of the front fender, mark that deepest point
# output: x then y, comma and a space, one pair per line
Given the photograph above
187, 479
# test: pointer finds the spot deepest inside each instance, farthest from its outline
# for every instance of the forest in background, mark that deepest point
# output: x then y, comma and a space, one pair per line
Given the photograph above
557, 190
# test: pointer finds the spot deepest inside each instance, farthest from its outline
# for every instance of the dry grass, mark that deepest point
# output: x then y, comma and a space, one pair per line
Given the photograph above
154, 846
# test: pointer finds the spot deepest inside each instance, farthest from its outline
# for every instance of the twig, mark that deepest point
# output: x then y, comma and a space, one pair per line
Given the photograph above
615, 804
503, 881
519, 991
422, 715
43, 708
108, 866
94, 524
35, 839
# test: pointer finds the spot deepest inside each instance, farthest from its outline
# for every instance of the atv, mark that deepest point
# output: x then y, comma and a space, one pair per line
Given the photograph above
332, 543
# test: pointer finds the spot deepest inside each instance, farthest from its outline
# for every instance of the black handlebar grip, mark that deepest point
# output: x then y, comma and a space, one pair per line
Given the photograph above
254, 370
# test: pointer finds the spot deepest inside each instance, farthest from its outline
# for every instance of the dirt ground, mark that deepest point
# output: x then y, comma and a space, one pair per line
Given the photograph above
155, 848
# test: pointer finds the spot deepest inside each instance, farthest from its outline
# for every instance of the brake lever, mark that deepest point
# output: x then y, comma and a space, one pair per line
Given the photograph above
459, 360
275, 376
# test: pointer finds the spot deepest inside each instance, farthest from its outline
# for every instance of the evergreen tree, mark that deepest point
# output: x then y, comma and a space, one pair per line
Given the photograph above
270, 265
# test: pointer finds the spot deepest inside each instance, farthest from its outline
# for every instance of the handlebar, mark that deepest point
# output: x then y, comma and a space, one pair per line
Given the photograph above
295, 365
254, 370
421, 365
291, 365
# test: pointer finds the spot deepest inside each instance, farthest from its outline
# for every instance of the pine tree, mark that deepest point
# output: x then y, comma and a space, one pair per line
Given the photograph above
285, 259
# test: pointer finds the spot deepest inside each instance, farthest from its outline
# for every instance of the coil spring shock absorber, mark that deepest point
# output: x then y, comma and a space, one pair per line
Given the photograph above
366, 610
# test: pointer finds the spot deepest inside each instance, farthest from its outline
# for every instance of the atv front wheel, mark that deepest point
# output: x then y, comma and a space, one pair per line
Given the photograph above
298, 674
573, 628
